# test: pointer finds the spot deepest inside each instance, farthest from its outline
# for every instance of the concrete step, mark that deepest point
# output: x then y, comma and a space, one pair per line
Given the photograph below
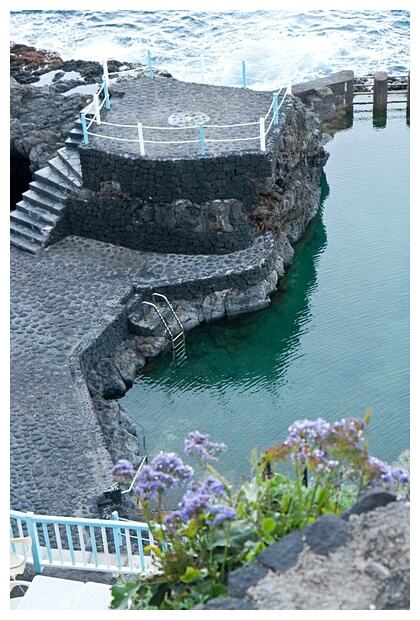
48, 191
72, 142
33, 237
71, 158
41, 201
50, 177
37, 212
75, 136
65, 172
23, 244
26, 220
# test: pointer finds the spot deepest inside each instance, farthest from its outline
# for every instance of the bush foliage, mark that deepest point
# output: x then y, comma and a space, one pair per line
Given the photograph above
325, 468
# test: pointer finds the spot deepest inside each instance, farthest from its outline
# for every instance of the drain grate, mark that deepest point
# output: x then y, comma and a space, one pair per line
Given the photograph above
187, 119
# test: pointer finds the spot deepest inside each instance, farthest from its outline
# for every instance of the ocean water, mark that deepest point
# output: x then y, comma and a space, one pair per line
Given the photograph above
272, 43
335, 339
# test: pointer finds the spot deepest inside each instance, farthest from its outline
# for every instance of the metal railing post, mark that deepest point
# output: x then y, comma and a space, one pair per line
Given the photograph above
85, 134
203, 152
105, 71
244, 73
31, 527
202, 67
97, 109
106, 94
149, 60
262, 134
275, 108
141, 139
118, 538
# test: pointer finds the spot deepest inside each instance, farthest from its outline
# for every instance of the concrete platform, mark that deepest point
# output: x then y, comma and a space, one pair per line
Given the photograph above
167, 104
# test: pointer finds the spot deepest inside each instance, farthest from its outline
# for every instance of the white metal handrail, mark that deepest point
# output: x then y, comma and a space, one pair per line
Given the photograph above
130, 488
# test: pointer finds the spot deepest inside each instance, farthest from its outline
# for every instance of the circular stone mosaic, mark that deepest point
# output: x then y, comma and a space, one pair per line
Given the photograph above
186, 119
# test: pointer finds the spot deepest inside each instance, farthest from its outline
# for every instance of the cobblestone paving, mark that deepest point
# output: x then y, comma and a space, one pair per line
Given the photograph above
153, 102
59, 298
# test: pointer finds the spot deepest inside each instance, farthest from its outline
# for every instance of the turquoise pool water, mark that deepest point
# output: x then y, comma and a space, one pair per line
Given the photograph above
335, 339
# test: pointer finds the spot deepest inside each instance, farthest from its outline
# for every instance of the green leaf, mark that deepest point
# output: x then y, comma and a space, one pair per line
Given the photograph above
241, 510
239, 532
159, 594
191, 574
122, 595
268, 525
250, 491
160, 534
155, 550
191, 530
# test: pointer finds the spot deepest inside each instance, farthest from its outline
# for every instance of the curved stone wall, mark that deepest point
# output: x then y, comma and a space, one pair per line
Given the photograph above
203, 205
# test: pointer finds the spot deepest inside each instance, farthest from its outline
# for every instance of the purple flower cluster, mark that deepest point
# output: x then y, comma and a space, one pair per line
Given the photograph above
383, 473
166, 471
306, 443
222, 513
123, 471
202, 499
309, 430
199, 445
349, 431
339, 450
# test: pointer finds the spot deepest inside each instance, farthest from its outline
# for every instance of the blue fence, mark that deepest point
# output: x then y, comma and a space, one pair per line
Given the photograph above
113, 546
206, 134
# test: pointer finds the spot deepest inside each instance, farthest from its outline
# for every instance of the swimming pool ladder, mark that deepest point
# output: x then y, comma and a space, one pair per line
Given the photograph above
177, 339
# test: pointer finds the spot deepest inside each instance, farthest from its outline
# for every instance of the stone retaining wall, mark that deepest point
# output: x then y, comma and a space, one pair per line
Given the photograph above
188, 206
208, 205
165, 180
182, 227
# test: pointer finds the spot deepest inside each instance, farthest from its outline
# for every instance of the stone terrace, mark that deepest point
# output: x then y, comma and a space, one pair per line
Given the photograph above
153, 102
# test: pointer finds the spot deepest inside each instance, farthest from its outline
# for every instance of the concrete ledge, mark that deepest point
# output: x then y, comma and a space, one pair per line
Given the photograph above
327, 95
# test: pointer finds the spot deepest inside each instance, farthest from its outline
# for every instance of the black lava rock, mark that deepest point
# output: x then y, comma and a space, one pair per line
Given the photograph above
245, 577
283, 554
372, 500
328, 533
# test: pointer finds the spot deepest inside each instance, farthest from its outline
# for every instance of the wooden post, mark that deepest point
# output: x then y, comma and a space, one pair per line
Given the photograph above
380, 89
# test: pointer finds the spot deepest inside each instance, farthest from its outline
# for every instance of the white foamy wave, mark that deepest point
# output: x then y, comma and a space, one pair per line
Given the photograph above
272, 43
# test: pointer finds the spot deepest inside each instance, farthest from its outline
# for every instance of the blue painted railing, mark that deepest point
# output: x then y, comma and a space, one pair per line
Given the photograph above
113, 546
91, 116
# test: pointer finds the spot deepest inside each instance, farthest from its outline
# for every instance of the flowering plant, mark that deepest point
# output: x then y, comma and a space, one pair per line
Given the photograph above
214, 530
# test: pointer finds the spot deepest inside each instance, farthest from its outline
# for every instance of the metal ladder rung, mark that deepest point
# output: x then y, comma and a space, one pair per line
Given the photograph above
178, 341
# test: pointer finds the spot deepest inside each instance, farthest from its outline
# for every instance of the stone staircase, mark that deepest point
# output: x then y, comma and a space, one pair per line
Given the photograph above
43, 204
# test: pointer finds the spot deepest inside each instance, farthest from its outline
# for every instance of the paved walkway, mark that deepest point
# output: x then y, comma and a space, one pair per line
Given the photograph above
161, 102
60, 297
